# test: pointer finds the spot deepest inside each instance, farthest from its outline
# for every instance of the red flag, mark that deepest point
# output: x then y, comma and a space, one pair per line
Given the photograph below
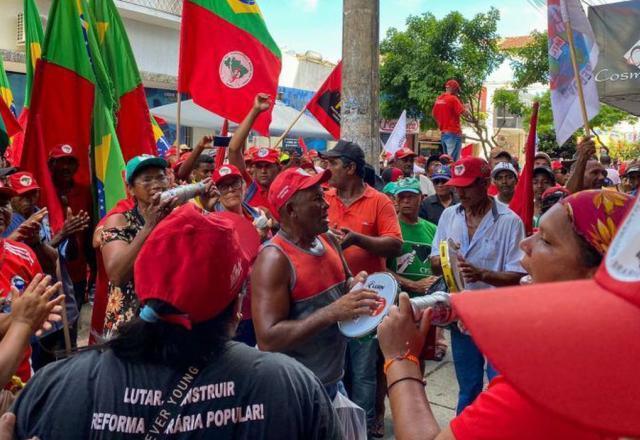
159, 120
467, 151
14, 152
227, 57
302, 145
11, 125
326, 103
522, 202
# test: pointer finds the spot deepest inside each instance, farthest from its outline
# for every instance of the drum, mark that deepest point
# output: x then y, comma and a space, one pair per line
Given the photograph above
386, 287
449, 263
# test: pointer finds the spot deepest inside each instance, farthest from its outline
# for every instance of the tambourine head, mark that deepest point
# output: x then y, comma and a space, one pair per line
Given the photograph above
450, 269
386, 287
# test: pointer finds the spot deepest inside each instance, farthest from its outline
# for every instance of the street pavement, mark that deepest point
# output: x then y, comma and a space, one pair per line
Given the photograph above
442, 392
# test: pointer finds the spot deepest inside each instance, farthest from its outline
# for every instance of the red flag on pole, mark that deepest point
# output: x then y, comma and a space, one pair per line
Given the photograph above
467, 151
227, 57
522, 202
326, 103
302, 145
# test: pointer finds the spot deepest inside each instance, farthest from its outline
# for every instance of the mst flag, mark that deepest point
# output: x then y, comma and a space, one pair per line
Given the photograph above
227, 57
34, 37
326, 103
522, 202
62, 100
567, 113
133, 121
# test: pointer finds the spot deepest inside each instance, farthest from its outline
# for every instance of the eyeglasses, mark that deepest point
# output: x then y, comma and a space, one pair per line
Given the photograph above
227, 187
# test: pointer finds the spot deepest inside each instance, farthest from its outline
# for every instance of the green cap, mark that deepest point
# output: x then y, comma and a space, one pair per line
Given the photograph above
390, 189
410, 184
143, 161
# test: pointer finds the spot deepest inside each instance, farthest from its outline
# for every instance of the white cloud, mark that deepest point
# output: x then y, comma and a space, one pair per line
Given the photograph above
307, 5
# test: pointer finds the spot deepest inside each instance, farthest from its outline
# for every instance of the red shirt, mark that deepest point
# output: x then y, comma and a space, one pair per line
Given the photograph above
446, 111
256, 196
502, 413
18, 266
79, 198
372, 214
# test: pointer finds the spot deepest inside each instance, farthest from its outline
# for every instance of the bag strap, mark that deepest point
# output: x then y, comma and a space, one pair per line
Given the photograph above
171, 406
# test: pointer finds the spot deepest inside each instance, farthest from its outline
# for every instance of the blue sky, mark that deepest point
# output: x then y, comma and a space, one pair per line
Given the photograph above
316, 25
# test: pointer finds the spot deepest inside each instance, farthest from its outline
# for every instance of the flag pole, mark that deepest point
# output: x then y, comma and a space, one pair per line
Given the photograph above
576, 70
286, 132
178, 123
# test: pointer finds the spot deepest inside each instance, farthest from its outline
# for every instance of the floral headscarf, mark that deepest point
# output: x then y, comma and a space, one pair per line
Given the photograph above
597, 214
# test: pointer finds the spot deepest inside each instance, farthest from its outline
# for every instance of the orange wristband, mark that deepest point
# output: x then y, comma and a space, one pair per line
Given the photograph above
407, 356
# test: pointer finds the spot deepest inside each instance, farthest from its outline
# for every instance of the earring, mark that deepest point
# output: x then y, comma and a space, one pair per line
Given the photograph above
239, 316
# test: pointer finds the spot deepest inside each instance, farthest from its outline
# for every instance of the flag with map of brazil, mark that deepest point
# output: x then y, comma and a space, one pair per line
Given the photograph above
227, 56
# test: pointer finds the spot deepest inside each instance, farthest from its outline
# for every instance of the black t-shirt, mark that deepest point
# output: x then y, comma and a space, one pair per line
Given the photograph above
242, 394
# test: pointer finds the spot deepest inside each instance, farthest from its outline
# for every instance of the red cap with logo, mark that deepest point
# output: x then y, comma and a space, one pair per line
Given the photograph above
62, 150
404, 152
452, 84
267, 155
571, 347
23, 182
192, 287
225, 171
467, 170
290, 181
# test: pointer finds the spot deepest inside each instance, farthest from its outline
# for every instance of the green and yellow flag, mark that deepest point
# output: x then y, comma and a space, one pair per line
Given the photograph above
34, 37
5, 89
132, 119
107, 159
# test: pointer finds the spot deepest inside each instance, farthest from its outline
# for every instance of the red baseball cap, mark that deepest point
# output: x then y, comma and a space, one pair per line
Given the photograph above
452, 84
571, 347
404, 152
23, 182
173, 151
467, 170
289, 182
225, 171
556, 165
62, 150
267, 155
192, 287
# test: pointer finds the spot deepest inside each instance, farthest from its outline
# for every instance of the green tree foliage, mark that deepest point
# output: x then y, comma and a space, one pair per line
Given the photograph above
417, 62
530, 63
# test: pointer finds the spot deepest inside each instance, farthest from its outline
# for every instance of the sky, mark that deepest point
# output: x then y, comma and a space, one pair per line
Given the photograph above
316, 25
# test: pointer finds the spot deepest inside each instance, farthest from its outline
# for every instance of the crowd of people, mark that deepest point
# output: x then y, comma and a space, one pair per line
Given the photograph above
220, 316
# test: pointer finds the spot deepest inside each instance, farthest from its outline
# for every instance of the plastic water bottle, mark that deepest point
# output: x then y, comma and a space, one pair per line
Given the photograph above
440, 303
184, 193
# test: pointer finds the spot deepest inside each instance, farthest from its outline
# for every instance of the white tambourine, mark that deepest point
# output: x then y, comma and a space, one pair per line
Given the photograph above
386, 287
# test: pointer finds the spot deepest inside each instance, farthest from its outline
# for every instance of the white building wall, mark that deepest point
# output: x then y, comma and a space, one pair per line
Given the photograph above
155, 48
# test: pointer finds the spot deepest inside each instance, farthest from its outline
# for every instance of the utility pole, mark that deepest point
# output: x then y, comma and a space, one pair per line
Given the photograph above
360, 76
